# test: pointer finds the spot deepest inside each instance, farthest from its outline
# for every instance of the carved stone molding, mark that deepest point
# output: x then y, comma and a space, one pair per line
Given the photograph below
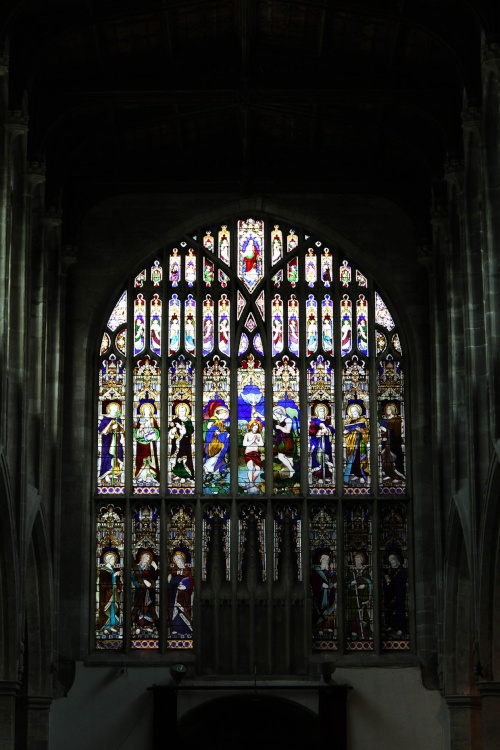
52, 218
9, 687
454, 173
439, 216
35, 176
424, 255
4, 64
472, 121
490, 59
38, 702
463, 701
489, 689
70, 256
16, 123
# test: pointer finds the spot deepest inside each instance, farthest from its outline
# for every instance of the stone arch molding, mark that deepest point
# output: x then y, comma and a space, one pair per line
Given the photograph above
259, 720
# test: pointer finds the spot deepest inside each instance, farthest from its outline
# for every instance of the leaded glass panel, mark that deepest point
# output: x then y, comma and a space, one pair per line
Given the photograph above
262, 335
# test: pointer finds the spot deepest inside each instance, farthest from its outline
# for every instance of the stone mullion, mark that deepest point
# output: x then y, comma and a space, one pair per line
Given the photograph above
372, 367
198, 294
268, 589
375, 479
197, 609
376, 576
131, 361
338, 365
197, 411
128, 504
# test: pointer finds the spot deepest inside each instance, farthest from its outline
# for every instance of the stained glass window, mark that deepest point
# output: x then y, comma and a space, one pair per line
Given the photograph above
323, 577
111, 427
109, 579
216, 425
251, 426
358, 581
147, 408
180, 578
260, 362
145, 577
394, 576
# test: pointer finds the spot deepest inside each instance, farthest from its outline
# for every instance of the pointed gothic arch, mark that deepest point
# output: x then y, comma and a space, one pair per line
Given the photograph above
253, 368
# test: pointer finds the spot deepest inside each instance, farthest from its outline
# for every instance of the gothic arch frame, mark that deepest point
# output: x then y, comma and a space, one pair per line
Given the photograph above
352, 251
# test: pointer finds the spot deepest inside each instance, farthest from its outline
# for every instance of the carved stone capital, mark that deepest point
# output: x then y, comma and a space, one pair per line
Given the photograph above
52, 218
35, 176
4, 64
439, 216
490, 59
454, 173
38, 702
489, 689
441, 229
463, 701
472, 121
70, 256
9, 687
424, 255
16, 123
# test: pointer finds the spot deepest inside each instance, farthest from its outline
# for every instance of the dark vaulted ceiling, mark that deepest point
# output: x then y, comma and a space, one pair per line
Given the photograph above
252, 96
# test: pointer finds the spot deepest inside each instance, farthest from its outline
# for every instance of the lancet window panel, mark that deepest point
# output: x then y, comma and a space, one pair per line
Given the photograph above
252, 358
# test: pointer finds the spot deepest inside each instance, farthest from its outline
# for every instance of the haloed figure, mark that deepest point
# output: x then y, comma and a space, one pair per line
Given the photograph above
180, 434
252, 441
356, 435
180, 588
147, 433
323, 585
391, 443
110, 587
320, 444
395, 584
216, 439
144, 577
111, 429
284, 444
359, 590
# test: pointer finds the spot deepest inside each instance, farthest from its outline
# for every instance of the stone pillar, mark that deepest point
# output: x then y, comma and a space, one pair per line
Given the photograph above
490, 705
37, 722
8, 695
465, 722
491, 129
